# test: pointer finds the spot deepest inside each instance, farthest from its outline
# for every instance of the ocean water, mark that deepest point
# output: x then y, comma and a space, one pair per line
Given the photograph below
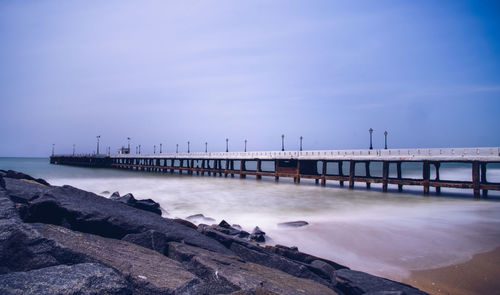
386, 234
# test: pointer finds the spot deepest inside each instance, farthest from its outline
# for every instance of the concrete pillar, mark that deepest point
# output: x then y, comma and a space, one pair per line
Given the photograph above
476, 182
483, 179
259, 169
437, 165
352, 168
341, 172
426, 175
398, 168
385, 175
367, 173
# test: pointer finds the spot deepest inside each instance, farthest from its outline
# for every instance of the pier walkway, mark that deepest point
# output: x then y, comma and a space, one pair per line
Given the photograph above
349, 166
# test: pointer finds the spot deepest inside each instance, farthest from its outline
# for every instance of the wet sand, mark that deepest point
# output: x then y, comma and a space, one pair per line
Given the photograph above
479, 275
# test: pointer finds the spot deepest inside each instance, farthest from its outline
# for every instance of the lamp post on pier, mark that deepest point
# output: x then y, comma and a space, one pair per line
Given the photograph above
73, 149
206, 147
98, 137
53, 147
109, 151
128, 139
154, 149
188, 147
371, 132
177, 148
300, 148
385, 134
282, 142
160, 148
227, 145
139, 149
245, 145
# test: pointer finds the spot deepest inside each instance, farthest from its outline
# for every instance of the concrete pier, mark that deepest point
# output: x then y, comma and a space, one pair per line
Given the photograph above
313, 165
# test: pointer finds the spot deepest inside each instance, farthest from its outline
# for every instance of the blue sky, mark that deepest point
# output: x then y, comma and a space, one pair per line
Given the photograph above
169, 72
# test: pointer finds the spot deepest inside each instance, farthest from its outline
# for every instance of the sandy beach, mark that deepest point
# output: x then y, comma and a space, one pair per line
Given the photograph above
479, 275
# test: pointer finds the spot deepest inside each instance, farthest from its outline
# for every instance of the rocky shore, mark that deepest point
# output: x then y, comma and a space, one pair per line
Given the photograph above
63, 240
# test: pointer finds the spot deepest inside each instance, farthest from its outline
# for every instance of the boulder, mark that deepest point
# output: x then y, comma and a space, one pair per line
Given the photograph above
114, 196
224, 224
150, 239
2, 182
356, 282
258, 235
87, 212
200, 218
78, 279
146, 270
293, 224
19, 175
294, 254
186, 223
147, 204
224, 274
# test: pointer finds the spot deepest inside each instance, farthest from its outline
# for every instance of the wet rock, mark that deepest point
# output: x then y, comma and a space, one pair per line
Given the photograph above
294, 254
237, 226
19, 175
2, 182
86, 212
229, 274
105, 192
293, 224
258, 235
224, 224
147, 270
78, 279
185, 222
200, 218
146, 204
150, 239
356, 282
322, 268
114, 196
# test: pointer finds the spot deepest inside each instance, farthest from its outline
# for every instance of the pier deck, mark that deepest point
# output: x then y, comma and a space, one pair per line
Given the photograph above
313, 165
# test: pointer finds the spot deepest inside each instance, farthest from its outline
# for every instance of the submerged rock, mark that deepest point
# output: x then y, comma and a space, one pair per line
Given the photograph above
200, 218
258, 235
293, 224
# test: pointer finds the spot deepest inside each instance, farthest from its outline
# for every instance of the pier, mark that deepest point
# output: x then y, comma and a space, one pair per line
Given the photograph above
350, 166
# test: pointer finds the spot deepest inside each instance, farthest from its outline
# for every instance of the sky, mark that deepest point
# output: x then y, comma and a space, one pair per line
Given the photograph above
170, 72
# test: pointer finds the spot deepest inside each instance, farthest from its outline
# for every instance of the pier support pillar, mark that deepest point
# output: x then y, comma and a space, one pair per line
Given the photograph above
437, 165
242, 169
323, 173
385, 175
399, 175
227, 168
181, 164
232, 168
483, 179
259, 170
426, 173
352, 168
476, 184
367, 173
341, 172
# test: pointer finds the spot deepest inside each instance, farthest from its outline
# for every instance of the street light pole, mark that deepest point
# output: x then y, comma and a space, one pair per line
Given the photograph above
53, 147
98, 136
177, 148
282, 142
128, 139
227, 145
154, 149
160, 148
206, 147
139, 149
385, 134
188, 147
73, 149
245, 145
301, 143
371, 132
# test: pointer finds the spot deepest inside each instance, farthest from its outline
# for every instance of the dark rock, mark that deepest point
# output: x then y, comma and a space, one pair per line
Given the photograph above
20, 175
86, 212
293, 224
243, 234
258, 235
199, 218
147, 204
224, 224
356, 282
2, 182
147, 270
322, 268
78, 279
114, 196
105, 192
294, 254
228, 273
185, 222
150, 239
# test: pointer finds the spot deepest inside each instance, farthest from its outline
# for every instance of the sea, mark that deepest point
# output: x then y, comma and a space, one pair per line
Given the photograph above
388, 234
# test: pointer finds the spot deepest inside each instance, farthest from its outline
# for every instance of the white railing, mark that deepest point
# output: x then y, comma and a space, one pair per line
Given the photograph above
492, 153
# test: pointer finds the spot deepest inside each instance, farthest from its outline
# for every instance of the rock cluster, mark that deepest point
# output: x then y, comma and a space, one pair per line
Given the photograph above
62, 240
